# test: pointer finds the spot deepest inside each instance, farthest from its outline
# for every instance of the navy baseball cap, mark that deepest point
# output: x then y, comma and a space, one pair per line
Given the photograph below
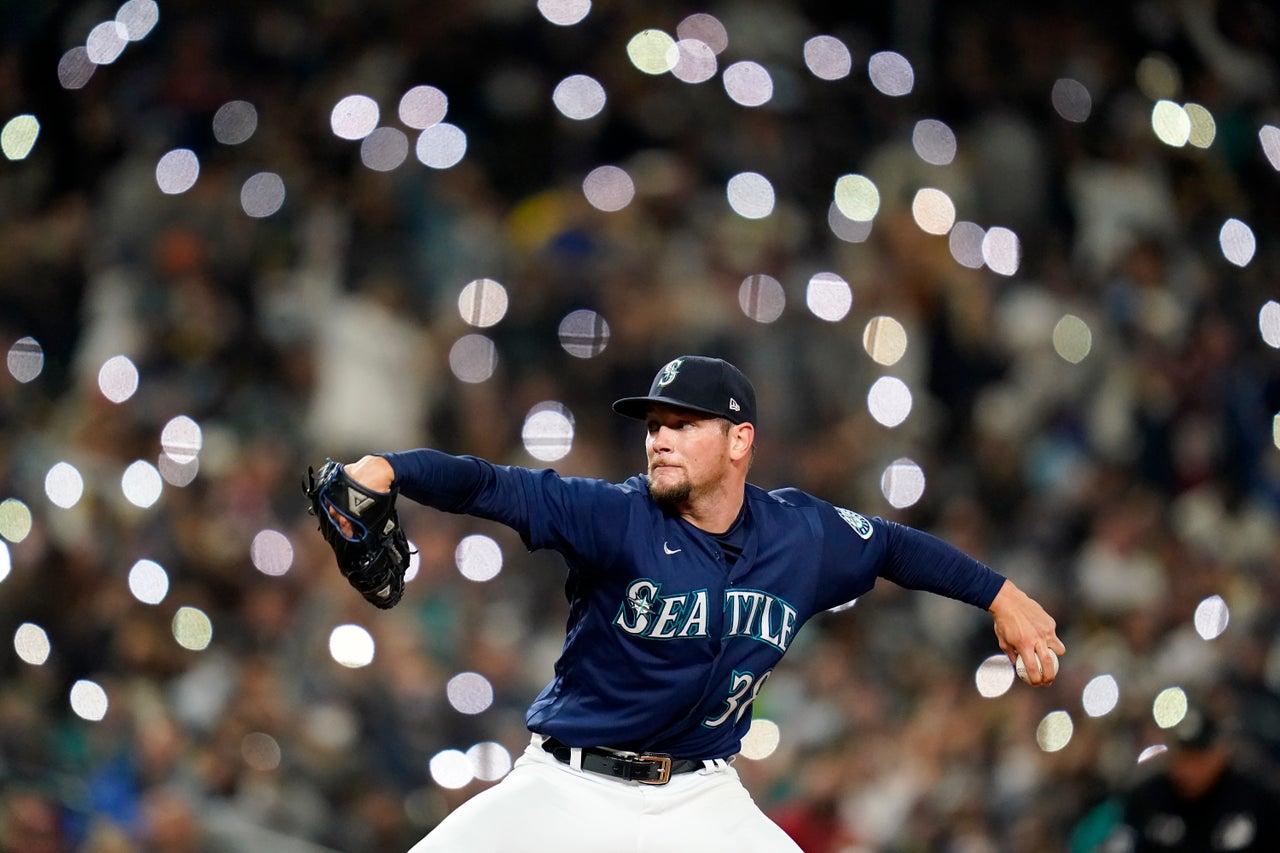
699, 383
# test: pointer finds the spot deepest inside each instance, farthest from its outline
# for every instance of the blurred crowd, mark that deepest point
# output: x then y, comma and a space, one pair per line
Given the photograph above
1121, 491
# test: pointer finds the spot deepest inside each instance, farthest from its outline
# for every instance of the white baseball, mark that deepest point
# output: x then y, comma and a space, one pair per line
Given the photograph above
1021, 668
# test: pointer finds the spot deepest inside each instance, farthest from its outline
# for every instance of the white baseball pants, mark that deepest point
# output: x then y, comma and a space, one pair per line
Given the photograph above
543, 806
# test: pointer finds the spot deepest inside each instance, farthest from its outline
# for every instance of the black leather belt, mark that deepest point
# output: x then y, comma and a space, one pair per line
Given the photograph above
649, 768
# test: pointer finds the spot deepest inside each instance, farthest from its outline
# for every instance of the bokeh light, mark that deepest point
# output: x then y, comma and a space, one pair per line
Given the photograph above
933, 210
177, 171
885, 340
385, 149
483, 302
1269, 323
692, 61
473, 358
105, 42
181, 439
750, 195
965, 242
177, 473
1171, 124
583, 333
235, 122
1203, 128
261, 751
262, 194
64, 485
1001, 250
351, 646
15, 520
1071, 100
271, 553
891, 73
547, 433
75, 68
706, 28
1072, 338
118, 378
422, 106
490, 761
827, 57
650, 51
748, 83
18, 136
1169, 707
857, 197
25, 359
934, 142
761, 740
564, 13
139, 17
1269, 139
1158, 77
579, 97
848, 230
31, 644
994, 676
478, 557
889, 401
1237, 241
192, 628
141, 484
354, 117
469, 693
1055, 731
451, 768
608, 188
6, 560
1100, 696
902, 483
1212, 617
441, 146
762, 298
88, 700
828, 297
148, 581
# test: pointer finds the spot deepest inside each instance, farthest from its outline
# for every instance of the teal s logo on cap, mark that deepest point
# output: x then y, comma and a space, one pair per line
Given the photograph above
669, 372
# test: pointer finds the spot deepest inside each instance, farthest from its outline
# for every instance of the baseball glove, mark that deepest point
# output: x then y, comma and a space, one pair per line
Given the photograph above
374, 553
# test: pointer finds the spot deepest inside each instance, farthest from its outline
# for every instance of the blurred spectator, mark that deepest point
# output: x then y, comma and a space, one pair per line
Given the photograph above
1200, 796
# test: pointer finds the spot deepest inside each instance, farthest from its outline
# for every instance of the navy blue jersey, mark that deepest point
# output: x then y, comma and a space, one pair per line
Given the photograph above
668, 642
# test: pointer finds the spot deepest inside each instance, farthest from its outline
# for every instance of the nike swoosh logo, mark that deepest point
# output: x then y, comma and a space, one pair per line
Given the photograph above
667, 549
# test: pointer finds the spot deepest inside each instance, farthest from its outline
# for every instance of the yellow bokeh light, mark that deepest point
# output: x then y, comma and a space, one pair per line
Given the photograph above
648, 51
1203, 127
192, 628
1072, 339
15, 520
885, 340
19, 136
1055, 731
857, 197
1169, 707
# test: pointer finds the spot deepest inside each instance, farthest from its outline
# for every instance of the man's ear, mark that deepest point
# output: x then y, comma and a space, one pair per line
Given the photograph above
741, 438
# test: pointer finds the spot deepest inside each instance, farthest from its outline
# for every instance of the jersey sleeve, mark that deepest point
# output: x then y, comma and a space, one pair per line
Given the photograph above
858, 550
919, 560
583, 518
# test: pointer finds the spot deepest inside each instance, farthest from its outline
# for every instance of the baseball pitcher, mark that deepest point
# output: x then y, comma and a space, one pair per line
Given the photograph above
686, 586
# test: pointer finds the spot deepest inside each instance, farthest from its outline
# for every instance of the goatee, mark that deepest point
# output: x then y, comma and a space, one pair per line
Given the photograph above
670, 496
